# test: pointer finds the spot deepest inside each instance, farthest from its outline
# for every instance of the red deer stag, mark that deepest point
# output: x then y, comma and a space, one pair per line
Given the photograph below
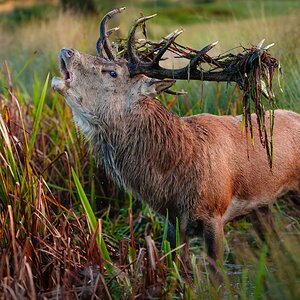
200, 167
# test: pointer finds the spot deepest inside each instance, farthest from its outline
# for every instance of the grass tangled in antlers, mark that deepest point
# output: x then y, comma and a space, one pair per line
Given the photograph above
252, 69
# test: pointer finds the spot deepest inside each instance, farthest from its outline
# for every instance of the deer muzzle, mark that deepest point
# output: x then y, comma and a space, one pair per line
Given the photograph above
65, 60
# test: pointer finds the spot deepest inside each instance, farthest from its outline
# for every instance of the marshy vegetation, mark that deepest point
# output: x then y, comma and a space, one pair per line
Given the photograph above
65, 229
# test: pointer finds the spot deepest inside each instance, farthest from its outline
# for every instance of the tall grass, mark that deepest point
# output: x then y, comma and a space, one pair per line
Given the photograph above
54, 244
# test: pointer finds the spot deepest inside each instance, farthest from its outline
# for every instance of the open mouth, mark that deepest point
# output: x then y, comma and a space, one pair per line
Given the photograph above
64, 70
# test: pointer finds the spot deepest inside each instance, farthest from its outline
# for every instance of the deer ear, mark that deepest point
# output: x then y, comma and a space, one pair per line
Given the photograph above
154, 87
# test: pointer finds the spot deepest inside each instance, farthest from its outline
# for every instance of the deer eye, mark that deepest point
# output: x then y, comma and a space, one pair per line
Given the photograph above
113, 74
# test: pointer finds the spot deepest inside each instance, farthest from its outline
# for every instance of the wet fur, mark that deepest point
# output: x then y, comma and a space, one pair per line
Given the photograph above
198, 167
201, 168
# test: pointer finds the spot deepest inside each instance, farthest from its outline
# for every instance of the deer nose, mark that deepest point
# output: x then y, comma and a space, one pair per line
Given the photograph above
67, 52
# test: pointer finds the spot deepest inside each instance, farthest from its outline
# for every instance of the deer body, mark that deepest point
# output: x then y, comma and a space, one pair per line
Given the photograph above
197, 167
200, 168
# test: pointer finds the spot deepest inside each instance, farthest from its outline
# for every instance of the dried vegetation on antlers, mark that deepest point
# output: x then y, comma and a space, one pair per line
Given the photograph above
252, 69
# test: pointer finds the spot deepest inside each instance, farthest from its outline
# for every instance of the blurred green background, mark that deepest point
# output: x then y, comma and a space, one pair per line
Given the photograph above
32, 32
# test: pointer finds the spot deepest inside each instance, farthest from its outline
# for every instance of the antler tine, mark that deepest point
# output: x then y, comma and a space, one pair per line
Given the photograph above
201, 52
136, 66
112, 30
100, 40
153, 69
170, 92
170, 39
132, 56
103, 39
226, 68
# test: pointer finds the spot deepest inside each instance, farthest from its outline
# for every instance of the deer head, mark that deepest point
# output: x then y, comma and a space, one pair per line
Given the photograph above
96, 86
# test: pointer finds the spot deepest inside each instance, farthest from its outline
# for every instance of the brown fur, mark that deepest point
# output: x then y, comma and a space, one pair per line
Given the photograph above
196, 167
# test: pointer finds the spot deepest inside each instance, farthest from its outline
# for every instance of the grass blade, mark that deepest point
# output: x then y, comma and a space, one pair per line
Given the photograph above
85, 202
166, 227
38, 115
7, 150
260, 273
90, 216
27, 62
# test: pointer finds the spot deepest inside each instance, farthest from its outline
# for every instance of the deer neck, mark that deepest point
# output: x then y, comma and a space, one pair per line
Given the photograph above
145, 147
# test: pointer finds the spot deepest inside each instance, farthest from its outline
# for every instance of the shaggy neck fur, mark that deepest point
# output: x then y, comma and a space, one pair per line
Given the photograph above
145, 152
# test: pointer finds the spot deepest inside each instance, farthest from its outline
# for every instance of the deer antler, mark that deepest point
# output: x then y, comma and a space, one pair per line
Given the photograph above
153, 69
252, 70
226, 68
103, 38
